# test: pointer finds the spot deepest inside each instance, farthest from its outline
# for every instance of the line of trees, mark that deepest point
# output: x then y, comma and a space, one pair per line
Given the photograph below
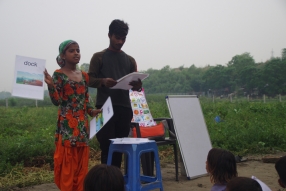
241, 76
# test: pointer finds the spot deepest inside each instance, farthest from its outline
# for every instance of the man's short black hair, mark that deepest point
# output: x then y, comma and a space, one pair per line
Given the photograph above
118, 27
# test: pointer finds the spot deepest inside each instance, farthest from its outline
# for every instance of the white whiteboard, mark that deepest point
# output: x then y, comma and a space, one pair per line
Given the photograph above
192, 134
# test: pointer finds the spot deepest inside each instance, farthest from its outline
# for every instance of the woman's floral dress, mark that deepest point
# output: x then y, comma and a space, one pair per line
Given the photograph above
73, 101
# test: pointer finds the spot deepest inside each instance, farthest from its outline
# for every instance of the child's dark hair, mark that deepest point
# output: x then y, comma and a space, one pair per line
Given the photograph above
104, 178
118, 27
221, 165
280, 167
243, 184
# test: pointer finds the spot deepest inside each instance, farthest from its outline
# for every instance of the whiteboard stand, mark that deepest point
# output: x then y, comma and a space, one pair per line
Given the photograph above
191, 131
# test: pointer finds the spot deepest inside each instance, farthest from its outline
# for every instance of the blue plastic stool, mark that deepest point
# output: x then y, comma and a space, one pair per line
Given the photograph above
133, 178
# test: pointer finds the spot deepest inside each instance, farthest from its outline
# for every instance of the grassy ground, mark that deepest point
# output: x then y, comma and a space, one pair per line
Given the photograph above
27, 135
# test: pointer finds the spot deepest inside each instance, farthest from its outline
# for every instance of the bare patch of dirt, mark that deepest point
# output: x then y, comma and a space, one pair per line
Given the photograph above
253, 166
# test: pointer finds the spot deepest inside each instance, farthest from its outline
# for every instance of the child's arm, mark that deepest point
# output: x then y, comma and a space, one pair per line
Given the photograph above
54, 87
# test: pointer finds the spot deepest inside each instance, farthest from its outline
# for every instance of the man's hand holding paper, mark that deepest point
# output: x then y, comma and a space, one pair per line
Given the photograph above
131, 81
109, 82
137, 85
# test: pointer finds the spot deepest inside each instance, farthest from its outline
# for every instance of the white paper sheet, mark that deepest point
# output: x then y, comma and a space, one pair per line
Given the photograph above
28, 79
128, 140
101, 119
123, 83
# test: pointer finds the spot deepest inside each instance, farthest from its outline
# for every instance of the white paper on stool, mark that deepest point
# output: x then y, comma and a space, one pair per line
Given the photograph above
128, 140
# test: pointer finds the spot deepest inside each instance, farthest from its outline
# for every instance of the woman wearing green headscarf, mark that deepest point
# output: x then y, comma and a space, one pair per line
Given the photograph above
68, 90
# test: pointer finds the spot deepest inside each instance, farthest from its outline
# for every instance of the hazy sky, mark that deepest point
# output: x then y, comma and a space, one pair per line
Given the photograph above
162, 32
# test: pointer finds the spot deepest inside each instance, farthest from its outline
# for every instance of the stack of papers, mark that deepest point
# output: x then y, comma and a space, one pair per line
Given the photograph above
130, 140
123, 83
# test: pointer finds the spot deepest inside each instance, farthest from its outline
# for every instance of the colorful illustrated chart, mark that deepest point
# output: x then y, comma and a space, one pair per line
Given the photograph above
141, 112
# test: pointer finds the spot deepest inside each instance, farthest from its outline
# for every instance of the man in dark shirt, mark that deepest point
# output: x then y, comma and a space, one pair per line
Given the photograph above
105, 68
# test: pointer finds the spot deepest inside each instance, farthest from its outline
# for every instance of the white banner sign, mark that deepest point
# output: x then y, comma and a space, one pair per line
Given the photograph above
28, 79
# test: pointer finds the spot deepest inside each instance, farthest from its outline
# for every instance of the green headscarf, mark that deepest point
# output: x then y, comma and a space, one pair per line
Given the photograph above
63, 47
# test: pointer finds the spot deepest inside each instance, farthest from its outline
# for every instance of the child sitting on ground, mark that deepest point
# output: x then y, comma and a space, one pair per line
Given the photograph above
243, 184
221, 166
280, 167
103, 177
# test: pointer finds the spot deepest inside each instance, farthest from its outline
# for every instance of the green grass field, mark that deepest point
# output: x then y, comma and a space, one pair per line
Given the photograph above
27, 133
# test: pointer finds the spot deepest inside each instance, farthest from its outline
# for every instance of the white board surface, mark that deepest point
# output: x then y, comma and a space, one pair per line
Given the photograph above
192, 134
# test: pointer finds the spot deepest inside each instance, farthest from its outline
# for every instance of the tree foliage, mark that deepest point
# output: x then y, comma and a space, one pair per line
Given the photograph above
283, 54
241, 75
84, 67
